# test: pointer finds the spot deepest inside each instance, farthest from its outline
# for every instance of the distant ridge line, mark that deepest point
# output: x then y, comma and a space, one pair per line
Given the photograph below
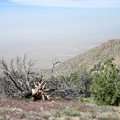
88, 59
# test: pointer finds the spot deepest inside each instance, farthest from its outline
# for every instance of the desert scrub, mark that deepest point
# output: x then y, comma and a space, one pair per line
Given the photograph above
64, 118
45, 115
108, 118
71, 113
22, 115
55, 113
34, 115
86, 100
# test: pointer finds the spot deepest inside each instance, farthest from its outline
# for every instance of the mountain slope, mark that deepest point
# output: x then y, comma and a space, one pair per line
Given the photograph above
88, 59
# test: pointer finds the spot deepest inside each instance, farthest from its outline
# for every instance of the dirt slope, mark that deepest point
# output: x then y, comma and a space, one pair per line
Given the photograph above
88, 59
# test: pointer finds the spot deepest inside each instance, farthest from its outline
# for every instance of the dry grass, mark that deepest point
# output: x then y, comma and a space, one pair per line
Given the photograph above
11, 109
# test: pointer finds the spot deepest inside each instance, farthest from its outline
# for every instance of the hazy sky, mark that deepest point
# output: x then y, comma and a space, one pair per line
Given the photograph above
46, 29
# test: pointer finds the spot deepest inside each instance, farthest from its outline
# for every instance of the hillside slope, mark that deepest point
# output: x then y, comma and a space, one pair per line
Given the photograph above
88, 59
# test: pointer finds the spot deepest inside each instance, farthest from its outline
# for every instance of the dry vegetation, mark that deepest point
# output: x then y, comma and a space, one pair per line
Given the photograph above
56, 110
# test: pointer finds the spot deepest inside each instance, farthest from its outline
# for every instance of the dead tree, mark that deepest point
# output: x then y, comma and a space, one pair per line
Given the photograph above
20, 76
40, 93
22, 79
56, 62
62, 88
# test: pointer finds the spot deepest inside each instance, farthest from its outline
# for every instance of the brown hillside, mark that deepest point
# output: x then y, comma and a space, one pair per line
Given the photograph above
88, 59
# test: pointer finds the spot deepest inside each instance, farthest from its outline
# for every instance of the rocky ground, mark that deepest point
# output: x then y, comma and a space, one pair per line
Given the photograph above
13, 109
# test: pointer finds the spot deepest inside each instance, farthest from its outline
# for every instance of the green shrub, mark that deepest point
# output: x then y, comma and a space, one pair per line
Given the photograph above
106, 84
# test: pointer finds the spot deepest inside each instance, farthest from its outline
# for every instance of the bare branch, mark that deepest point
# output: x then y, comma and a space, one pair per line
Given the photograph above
54, 64
20, 72
8, 75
